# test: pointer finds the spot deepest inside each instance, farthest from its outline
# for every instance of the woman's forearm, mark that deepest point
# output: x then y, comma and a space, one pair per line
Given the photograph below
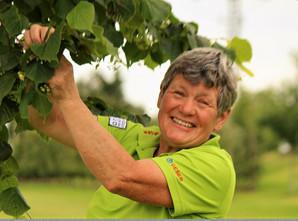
53, 125
103, 155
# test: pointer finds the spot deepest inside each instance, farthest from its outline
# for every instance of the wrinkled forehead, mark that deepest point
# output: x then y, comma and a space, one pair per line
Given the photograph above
180, 81
193, 80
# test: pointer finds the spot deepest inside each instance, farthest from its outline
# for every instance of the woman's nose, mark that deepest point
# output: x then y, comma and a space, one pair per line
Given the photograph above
187, 107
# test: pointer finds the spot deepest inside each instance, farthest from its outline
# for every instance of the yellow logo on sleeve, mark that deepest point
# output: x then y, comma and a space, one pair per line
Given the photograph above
175, 168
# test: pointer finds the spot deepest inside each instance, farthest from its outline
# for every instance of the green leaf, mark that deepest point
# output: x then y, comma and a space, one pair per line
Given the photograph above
13, 21
32, 3
242, 49
149, 62
83, 57
192, 41
191, 27
18, 88
142, 119
4, 39
9, 167
202, 41
62, 8
155, 10
126, 9
245, 69
102, 42
98, 107
4, 5
42, 104
30, 9
48, 50
114, 36
5, 151
8, 182
133, 54
13, 203
38, 72
81, 17
8, 58
129, 27
78, 52
100, 15
228, 51
169, 49
100, 46
6, 82
22, 124
46, 10
8, 111
3, 133
26, 100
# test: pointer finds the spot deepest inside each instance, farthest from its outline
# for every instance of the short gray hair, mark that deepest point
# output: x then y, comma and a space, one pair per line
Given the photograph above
210, 66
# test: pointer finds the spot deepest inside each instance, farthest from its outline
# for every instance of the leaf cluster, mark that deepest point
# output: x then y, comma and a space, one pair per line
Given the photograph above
11, 200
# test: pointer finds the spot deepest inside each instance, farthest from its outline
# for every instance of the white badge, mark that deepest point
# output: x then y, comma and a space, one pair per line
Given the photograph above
117, 122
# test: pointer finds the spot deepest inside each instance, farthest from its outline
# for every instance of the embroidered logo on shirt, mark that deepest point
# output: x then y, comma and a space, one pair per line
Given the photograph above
175, 168
117, 122
150, 132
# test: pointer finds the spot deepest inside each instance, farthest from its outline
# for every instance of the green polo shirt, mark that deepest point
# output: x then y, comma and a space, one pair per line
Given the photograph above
201, 180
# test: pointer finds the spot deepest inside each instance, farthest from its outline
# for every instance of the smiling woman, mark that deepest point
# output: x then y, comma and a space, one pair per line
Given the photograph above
176, 170
138, 170
195, 99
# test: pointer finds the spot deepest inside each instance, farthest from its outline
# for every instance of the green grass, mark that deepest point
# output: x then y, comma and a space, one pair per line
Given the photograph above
264, 205
56, 200
276, 195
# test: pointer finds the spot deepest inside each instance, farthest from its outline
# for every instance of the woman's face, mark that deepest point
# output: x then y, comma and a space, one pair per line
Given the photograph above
188, 114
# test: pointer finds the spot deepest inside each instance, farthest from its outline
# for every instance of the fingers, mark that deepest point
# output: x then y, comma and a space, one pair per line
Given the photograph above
27, 40
46, 33
36, 34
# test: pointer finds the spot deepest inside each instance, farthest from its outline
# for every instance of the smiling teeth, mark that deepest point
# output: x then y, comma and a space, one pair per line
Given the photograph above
183, 123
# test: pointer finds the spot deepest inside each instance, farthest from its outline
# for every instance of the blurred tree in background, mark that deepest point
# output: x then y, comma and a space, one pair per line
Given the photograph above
260, 122
283, 119
246, 137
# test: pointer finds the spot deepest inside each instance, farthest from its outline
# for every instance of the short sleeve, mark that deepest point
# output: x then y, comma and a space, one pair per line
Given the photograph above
124, 131
201, 181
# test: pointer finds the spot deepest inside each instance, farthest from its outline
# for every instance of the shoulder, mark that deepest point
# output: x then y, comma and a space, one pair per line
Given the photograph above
123, 129
203, 176
211, 160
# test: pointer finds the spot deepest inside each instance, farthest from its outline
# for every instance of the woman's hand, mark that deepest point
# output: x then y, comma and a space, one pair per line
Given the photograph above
36, 34
62, 84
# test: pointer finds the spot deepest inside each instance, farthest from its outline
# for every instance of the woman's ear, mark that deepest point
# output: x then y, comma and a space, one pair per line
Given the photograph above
221, 120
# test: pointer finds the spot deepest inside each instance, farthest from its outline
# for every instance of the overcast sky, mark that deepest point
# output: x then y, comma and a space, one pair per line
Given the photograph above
270, 25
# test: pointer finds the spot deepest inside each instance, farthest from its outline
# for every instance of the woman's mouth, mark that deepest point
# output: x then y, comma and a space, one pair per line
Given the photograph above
182, 122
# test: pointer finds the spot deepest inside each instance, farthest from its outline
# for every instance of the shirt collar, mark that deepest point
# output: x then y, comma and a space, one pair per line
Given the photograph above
148, 141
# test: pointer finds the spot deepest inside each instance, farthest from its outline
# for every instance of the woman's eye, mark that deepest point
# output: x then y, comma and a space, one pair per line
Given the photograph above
179, 93
203, 102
